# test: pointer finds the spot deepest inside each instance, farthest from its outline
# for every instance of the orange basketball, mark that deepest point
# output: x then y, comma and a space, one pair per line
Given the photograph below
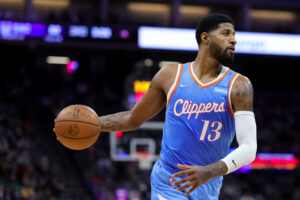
77, 127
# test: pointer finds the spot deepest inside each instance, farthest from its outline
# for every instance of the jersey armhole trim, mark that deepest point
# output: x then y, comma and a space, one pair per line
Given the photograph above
229, 93
174, 85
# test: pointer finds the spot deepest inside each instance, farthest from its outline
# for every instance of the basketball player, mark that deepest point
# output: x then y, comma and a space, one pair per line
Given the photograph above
206, 103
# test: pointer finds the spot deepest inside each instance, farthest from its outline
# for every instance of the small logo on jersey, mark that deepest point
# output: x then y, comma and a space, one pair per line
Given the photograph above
233, 163
185, 85
220, 90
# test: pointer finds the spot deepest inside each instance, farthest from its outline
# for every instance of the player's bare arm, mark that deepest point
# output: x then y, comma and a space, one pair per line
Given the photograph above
242, 94
242, 100
150, 104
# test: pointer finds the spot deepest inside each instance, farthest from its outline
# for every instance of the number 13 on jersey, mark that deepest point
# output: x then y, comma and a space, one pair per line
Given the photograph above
216, 126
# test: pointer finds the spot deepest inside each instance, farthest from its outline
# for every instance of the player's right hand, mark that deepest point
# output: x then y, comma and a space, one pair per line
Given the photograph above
196, 176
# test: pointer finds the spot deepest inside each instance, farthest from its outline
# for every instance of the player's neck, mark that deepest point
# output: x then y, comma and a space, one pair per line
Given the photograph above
206, 66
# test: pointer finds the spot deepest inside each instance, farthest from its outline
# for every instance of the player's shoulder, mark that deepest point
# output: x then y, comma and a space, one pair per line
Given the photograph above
242, 93
166, 76
168, 71
170, 67
242, 81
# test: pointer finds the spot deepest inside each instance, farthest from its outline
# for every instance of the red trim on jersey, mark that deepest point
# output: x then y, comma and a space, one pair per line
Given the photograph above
204, 85
229, 105
177, 81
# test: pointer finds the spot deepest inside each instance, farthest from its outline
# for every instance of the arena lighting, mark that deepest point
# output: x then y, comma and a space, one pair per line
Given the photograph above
54, 30
60, 60
284, 161
140, 88
121, 194
124, 34
101, 32
72, 66
11, 1
166, 38
119, 134
272, 15
54, 33
78, 31
271, 161
194, 10
248, 42
148, 62
21, 30
148, 7
51, 3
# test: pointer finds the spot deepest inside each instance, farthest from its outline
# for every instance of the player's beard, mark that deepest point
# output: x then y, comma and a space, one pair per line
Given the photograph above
224, 57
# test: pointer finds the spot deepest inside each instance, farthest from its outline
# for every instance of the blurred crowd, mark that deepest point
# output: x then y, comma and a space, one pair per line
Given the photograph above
25, 168
31, 96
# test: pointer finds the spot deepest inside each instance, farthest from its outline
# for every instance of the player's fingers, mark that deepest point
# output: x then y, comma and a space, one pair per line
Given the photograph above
184, 186
186, 179
182, 173
171, 180
184, 166
54, 130
191, 190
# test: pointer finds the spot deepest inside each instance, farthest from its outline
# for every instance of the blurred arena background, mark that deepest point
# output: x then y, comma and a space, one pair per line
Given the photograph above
94, 52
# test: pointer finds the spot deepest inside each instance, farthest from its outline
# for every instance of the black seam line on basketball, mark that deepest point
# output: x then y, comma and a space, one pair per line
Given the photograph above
75, 138
74, 106
76, 121
86, 109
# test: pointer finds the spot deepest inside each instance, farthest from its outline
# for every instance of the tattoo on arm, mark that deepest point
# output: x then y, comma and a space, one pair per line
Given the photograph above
113, 122
242, 94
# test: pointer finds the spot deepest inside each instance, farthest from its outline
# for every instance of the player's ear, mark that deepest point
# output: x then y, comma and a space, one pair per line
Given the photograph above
204, 38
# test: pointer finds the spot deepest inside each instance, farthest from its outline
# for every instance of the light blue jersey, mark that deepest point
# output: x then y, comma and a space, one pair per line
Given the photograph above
199, 129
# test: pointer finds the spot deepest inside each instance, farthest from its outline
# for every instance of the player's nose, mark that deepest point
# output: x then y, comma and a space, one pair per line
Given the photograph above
232, 41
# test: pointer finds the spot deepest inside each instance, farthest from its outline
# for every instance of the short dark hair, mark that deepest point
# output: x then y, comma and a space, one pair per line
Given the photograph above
210, 23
